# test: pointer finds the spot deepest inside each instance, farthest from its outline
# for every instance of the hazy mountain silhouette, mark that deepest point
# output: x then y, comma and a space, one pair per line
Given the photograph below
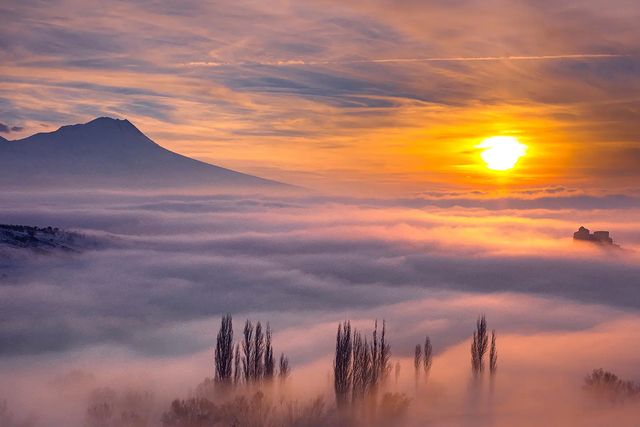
109, 153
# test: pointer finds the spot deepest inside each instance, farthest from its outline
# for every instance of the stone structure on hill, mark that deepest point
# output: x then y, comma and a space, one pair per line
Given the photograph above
600, 237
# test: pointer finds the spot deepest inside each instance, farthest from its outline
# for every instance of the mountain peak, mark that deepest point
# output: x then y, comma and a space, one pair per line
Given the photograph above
110, 153
103, 124
110, 120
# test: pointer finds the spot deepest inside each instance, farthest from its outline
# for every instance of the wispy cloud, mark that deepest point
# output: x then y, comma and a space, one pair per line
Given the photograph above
294, 62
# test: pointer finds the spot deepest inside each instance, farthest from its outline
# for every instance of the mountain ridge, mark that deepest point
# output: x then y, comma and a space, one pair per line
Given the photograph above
109, 152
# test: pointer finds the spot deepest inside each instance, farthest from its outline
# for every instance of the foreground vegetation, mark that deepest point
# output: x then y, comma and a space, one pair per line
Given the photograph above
249, 388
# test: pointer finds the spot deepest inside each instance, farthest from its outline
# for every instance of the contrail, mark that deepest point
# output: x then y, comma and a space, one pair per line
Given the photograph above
405, 60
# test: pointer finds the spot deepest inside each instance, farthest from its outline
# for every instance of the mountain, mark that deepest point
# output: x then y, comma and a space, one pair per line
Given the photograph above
110, 153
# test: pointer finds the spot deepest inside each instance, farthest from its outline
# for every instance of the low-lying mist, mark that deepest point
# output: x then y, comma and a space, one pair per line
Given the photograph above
117, 331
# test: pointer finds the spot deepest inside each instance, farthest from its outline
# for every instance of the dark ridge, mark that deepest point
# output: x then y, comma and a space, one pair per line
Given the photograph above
41, 239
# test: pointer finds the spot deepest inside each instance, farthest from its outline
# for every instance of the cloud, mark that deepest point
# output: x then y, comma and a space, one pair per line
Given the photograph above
141, 309
285, 63
8, 129
185, 258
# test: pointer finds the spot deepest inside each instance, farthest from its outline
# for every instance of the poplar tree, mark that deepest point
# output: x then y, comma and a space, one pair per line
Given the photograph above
479, 345
284, 367
417, 361
258, 353
224, 350
428, 355
237, 370
375, 356
342, 374
268, 356
385, 355
493, 355
357, 375
247, 349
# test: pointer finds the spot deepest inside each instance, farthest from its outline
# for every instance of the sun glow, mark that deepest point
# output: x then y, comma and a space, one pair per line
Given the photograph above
501, 153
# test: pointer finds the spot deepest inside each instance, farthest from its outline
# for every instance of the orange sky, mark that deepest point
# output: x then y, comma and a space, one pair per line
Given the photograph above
368, 97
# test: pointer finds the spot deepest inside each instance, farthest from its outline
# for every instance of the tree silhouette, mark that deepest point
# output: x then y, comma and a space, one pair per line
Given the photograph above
258, 353
247, 349
237, 372
361, 367
224, 350
375, 356
493, 355
284, 367
417, 359
385, 355
606, 385
342, 374
269, 364
428, 355
479, 345
194, 412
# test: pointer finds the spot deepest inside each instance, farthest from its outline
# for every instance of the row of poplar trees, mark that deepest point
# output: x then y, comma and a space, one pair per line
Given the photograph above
251, 361
423, 358
360, 366
479, 347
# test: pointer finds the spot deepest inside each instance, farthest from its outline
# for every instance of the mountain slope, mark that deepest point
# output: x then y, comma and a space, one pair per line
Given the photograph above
109, 153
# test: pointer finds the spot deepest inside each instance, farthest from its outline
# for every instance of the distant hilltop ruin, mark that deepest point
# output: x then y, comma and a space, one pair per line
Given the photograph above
599, 237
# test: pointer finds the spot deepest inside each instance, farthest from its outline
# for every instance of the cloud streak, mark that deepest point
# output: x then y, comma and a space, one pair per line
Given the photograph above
294, 62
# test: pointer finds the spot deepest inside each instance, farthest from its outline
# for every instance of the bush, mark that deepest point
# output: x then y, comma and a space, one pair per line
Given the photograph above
607, 386
242, 411
195, 412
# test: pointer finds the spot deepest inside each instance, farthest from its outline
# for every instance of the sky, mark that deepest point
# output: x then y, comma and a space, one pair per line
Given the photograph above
379, 104
372, 96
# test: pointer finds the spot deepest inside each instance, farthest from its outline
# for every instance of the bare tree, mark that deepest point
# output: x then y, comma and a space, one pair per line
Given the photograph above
224, 350
342, 374
269, 364
606, 385
367, 382
417, 359
385, 355
357, 374
362, 370
428, 355
237, 372
284, 367
247, 348
493, 355
258, 353
375, 356
479, 345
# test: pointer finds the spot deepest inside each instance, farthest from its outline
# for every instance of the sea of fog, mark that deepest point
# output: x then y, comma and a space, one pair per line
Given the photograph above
135, 312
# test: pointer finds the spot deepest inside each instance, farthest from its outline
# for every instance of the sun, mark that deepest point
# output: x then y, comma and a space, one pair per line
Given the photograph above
501, 153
